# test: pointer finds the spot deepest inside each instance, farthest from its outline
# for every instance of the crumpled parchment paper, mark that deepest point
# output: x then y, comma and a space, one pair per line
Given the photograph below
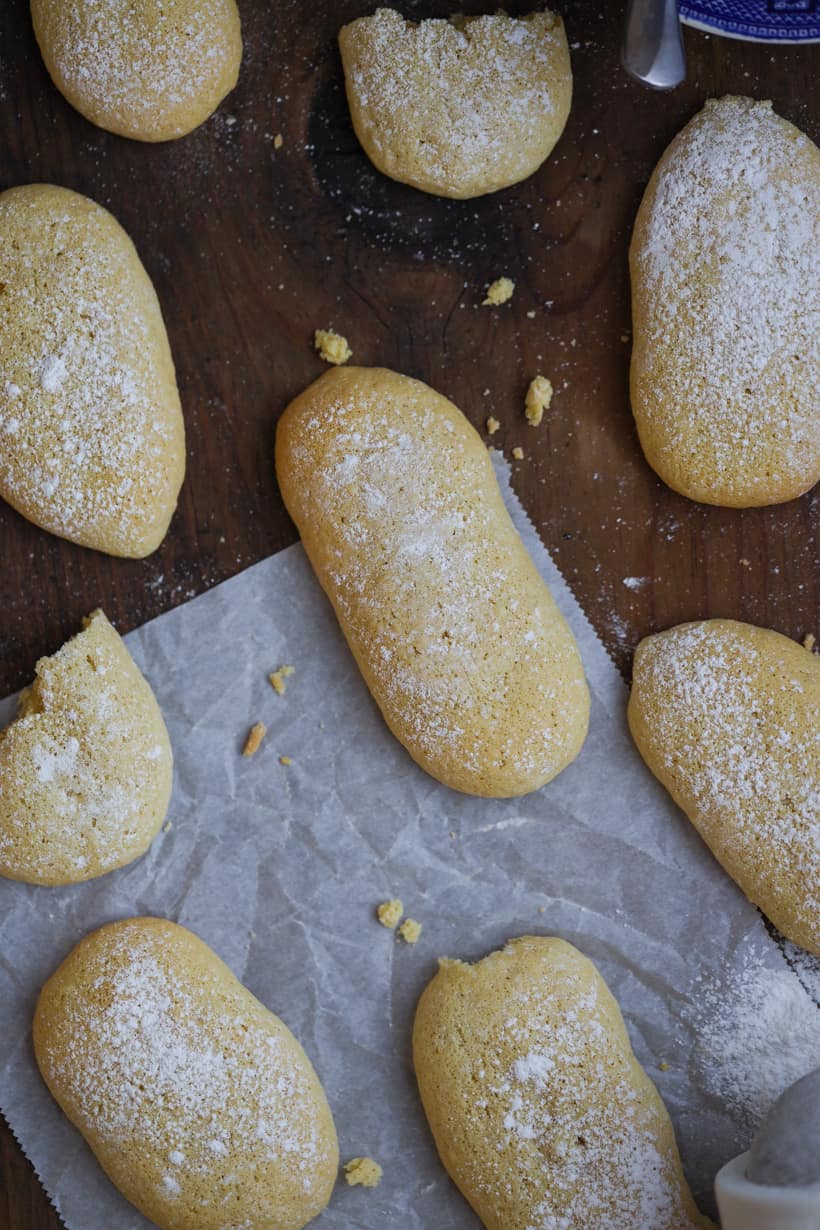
279, 869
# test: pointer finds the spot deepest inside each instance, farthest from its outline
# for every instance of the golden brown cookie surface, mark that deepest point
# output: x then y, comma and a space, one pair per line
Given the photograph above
727, 717
92, 442
86, 768
461, 107
199, 1103
147, 69
458, 638
726, 298
541, 1114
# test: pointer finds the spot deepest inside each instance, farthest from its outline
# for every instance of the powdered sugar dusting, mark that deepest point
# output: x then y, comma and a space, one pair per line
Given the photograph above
461, 99
737, 732
89, 412
139, 63
432, 583
728, 264
83, 781
552, 1092
758, 1032
185, 1074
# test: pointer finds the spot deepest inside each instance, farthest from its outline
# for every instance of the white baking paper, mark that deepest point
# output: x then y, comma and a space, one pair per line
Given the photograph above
279, 869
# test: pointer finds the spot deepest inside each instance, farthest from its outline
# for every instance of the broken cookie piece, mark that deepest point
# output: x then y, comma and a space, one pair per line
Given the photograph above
498, 292
332, 347
389, 913
538, 399
410, 930
363, 1172
253, 742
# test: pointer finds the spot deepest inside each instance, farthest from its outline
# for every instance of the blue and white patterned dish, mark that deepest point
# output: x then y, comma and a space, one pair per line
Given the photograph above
765, 21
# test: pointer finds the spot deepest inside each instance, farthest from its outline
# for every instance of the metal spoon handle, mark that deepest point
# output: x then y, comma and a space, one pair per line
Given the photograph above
653, 47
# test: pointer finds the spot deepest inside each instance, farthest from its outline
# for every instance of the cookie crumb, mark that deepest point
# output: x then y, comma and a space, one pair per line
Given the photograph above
624, 337
277, 679
809, 641
166, 828
542, 909
453, 834
663, 1067
278, 141
256, 734
531, 314
518, 453
498, 292
332, 347
539, 396
747, 563
389, 913
285, 760
410, 930
492, 425
363, 1172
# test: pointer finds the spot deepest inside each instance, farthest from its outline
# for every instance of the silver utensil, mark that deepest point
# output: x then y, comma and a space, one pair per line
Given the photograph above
653, 47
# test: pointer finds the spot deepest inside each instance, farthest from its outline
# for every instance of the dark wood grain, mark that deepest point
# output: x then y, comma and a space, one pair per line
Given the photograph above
252, 248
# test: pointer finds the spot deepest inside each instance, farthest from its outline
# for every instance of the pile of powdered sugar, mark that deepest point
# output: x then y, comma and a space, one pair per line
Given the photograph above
757, 1033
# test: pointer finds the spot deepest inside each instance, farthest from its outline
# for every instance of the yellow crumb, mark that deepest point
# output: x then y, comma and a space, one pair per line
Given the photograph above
498, 292
277, 678
278, 141
492, 425
363, 1172
809, 641
453, 834
542, 909
624, 337
389, 913
332, 347
410, 930
664, 1067
167, 827
286, 760
256, 734
539, 396
518, 453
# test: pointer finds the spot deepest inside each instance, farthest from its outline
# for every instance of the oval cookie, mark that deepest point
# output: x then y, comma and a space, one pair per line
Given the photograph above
457, 636
199, 1103
727, 716
86, 768
540, 1112
460, 107
147, 69
92, 443
725, 300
